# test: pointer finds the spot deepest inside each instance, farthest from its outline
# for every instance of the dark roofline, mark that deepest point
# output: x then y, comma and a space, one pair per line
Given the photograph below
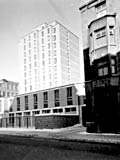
8, 81
88, 3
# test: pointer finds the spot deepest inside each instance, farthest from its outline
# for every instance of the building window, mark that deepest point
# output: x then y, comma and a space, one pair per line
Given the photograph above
113, 66
29, 59
54, 37
29, 66
48, 45
43, 63
35, 57
35, 64
24, 40
54, 60
43, 77
25, 89
8, 94
100, 33
103, 71
48, 30
30, 87
69, 96
101, 6
49, 76
48, 37
56, 97
29, 52
50, 84
101, 9
55, 69
54, 53
42, 33
35, 97
29, 38
16, 87
49, 61
42, 41
18, 103
113, 70
42, 48
24, 61
34, 35
43, 55
24, 68
49, 53
112, 36
54, 30
4, 94
29, 45
24, 47
25, 75
24, 54
54, 45
45, 99
26, 102
11, 108
35, 71
25, 81
111, 30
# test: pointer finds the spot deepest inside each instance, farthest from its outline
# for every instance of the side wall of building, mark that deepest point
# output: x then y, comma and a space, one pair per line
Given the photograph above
51, 99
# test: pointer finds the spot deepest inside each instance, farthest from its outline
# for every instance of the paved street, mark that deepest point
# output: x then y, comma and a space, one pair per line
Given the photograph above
29, 152
71, 143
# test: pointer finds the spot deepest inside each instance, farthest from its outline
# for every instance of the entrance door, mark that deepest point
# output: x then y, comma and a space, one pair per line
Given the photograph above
106, 107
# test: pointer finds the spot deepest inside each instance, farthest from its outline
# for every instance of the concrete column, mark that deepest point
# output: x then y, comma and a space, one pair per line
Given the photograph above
80, 114
63, 110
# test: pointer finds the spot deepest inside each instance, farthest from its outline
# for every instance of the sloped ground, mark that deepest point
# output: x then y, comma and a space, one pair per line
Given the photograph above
74, 133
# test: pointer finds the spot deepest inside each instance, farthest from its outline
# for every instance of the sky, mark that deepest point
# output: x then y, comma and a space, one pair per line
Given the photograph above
19, 17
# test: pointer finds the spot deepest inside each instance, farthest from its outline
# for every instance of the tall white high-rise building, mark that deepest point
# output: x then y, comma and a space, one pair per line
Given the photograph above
49, 57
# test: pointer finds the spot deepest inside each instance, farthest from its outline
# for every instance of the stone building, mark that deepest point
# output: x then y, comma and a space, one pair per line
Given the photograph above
101, 46
8, 90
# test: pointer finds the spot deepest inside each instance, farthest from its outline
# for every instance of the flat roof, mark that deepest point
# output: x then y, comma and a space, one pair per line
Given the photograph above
53, 88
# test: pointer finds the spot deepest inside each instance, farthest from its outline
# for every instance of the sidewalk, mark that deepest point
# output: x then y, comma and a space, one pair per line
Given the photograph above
75, 133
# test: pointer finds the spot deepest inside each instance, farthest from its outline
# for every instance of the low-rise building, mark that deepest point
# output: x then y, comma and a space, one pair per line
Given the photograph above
51, 108
8, 90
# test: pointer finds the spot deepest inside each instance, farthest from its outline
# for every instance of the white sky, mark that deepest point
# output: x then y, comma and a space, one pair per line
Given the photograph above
18, 17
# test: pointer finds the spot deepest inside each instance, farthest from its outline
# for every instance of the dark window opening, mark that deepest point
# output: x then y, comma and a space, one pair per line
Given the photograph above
35, 97
26, 102
69, 96
56, 94
18, 104
45, 99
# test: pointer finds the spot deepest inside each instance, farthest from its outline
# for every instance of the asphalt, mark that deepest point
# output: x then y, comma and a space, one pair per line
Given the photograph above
21, 142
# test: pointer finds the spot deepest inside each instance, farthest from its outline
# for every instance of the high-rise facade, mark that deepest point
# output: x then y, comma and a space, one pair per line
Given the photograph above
49, 57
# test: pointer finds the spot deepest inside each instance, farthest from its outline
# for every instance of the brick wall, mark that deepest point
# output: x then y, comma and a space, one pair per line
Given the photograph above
55, 121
